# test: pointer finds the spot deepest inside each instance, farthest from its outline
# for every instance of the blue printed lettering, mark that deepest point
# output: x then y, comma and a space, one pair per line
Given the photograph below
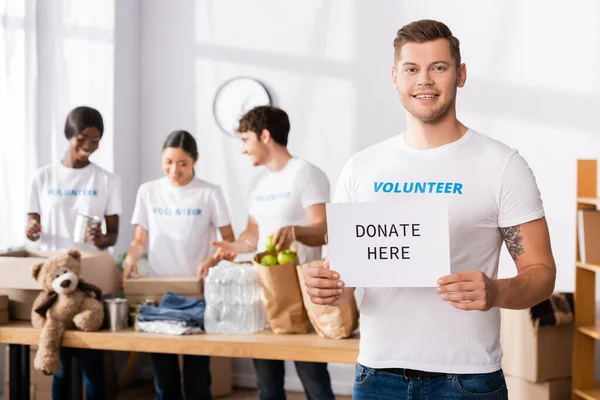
418, 187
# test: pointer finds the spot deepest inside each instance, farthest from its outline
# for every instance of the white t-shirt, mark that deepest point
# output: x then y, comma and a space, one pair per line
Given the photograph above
59, 193
281, 197
181, 223
487, 186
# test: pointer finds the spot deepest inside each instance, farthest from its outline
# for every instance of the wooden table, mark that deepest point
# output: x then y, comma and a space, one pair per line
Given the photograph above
263, 345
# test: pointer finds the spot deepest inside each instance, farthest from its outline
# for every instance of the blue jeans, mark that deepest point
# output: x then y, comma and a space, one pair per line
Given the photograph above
92, 368
373, 384
314, 376
167, 377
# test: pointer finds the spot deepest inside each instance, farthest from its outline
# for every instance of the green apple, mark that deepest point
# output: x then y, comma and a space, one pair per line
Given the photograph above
270, 245
268, 260
286, 256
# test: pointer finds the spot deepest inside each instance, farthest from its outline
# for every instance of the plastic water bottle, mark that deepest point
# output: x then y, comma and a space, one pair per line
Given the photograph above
233, 302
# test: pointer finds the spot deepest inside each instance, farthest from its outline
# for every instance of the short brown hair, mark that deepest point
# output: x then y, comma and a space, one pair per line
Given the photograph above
273, 119
426, 30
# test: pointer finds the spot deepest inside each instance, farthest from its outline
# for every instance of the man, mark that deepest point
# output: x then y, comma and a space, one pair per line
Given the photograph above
443, 342
289, 203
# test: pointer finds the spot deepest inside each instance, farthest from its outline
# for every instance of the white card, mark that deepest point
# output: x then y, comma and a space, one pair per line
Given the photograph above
389, 244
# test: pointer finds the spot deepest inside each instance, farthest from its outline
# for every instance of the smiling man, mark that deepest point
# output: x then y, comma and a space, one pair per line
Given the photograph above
288, 202
443, 342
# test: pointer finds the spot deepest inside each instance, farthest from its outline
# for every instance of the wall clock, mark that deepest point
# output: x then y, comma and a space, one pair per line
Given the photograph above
234, 98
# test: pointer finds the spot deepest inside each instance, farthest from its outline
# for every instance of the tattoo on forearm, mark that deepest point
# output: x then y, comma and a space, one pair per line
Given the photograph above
513, 240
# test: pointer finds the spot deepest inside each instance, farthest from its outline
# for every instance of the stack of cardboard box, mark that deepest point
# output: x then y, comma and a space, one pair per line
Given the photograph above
537, 362
3, 309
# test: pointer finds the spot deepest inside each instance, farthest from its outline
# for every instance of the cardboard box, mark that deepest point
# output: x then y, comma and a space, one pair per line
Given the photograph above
536, 355
40, 384
220, 373
3, 309
155, 287
520, 389
3, 302
97, 268
20, 303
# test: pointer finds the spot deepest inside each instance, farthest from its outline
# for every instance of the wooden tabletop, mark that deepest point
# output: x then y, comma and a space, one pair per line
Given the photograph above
265, 345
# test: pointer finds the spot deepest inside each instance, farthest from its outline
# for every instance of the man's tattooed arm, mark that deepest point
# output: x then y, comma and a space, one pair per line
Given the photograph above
514, 240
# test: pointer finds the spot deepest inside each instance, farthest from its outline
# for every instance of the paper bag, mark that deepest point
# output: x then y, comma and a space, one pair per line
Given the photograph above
281, 297
330, 322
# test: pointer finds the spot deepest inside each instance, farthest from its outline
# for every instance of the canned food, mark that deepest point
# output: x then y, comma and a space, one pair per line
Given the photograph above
82, 224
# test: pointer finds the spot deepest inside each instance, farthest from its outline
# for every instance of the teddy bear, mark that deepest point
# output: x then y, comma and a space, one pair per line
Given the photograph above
66, 302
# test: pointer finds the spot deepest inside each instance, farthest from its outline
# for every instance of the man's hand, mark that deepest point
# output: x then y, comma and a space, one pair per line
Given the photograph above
323, 285
471, 290
130, 268
94, 234
225, 251
205, 266
283, 238
34, 230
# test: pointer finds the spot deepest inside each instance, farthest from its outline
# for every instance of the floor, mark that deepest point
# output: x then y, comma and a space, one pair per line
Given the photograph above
239, 394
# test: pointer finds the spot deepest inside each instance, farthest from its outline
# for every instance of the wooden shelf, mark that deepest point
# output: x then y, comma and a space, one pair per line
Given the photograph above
591, 331
588, 394
587, 328
590, 201
589, 267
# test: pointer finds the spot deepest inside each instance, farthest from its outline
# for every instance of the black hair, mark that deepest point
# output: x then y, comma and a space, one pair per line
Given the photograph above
81, 118
182, 140
273, 119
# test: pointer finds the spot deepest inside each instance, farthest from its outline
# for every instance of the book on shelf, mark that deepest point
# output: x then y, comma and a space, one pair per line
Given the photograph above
588, 224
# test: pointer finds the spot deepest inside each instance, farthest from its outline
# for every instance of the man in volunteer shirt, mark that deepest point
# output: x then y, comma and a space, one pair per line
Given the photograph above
443, 342
289, 203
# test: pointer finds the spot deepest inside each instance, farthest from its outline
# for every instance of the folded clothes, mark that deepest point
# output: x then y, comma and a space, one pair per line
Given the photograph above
167, 327
175, 308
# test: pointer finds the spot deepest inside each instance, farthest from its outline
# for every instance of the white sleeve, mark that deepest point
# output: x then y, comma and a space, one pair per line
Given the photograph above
140, 213
34, 197
520, 199
344, 192
219, 212
314, 187
114, 207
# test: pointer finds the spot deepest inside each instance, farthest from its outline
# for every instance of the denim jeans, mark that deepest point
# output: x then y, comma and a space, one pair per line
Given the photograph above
314, 376
92, 368
373, 384
167, 377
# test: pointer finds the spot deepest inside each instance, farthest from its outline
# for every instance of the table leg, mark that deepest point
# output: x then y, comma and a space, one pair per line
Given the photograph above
19, 372
76, 379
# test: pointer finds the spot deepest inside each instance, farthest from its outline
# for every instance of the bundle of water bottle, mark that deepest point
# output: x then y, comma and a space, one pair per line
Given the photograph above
233, 302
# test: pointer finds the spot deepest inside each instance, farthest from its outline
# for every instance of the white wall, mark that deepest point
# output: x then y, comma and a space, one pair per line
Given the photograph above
127, 112
531, 83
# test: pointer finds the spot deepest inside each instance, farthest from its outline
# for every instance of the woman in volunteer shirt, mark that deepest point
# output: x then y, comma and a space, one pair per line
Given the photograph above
177, 216
59, 192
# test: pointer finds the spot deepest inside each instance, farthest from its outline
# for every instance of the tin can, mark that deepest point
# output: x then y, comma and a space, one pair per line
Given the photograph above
82, 224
